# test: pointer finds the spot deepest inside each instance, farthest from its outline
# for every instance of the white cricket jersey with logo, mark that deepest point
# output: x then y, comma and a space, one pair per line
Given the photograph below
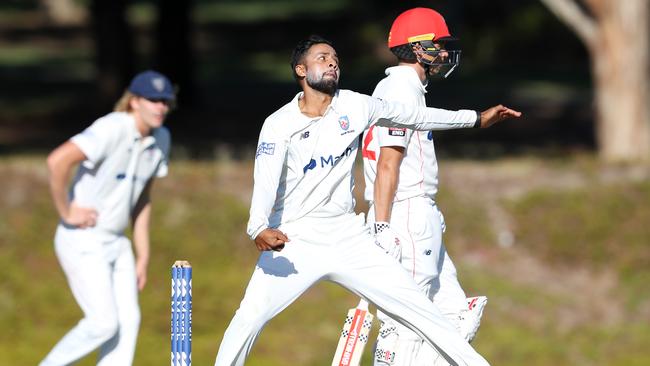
418, 174
303, 165
119, 163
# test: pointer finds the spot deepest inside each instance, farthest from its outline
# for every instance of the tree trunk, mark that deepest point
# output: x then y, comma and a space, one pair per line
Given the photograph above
174, 46
113, 48
620, 64
617, 34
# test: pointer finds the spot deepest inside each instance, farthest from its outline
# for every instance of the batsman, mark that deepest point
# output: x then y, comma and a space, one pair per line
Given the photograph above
401, 174
302, 215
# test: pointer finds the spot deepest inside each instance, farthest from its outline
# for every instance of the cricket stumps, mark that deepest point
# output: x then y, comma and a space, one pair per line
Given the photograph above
181, 314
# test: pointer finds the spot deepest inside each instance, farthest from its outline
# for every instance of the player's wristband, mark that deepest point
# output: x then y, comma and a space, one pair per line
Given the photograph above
477, 124
380, 226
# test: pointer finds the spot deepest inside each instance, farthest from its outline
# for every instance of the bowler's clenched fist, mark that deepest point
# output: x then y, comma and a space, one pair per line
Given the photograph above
271, 239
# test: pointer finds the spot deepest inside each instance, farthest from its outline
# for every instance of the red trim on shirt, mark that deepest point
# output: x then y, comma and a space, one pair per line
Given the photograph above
365, 152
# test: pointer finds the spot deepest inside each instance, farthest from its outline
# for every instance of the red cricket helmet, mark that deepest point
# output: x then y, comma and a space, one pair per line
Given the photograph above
421, 29
418, 24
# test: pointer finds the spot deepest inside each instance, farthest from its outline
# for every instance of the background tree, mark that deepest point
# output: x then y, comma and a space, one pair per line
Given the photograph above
617, 36
174, 45
114, 56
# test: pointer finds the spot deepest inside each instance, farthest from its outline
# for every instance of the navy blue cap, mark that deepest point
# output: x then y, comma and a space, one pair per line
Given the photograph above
152, 85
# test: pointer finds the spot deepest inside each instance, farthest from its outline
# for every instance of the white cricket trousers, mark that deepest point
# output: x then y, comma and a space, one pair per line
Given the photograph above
100, 269
418, 224
340, 250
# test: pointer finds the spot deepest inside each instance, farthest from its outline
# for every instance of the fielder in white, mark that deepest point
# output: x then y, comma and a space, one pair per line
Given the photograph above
401, 174
302, 213
117, 156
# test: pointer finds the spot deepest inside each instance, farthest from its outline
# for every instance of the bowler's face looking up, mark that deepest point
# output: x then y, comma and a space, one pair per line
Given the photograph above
320, 68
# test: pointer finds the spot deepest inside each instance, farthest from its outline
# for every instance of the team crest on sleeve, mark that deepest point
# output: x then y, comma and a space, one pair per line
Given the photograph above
267, 148
344, 122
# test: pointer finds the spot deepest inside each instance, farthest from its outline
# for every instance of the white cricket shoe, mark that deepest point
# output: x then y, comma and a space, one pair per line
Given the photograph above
471, 318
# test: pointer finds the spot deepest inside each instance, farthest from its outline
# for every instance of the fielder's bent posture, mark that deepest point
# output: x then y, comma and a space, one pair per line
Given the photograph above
401, 174
302, 213
118, 157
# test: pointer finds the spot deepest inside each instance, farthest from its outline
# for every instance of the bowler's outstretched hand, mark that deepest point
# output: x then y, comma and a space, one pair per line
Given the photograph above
497, 114
271, 239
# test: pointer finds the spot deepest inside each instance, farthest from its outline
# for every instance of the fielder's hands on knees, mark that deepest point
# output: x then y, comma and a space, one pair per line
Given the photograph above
271, 239
497, 114
386, 239
81, 217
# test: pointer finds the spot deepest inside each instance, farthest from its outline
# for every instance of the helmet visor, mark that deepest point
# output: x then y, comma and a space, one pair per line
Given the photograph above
441, 60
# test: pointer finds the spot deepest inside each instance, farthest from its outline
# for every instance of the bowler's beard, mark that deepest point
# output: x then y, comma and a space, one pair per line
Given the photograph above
327, 86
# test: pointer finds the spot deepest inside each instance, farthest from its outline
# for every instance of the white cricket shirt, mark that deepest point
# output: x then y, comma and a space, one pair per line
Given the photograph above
119, 162
418, 174
303, 165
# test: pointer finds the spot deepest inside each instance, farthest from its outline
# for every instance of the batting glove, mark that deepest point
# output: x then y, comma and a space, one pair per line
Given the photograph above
471, 317
386, 345
386, 239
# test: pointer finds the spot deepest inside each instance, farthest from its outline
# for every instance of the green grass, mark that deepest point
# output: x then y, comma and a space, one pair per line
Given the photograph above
602, 225
199, 217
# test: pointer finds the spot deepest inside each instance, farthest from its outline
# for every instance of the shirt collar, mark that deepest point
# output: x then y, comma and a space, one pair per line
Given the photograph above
295, 106
335, 102
147, 141
409, 74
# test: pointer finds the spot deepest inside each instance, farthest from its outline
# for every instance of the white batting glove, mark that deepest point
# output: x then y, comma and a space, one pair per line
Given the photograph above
386, 239
386, 346
470, 319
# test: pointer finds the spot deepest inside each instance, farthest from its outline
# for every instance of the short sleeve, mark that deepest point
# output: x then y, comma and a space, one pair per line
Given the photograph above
163, 141
392, 136
95, 141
